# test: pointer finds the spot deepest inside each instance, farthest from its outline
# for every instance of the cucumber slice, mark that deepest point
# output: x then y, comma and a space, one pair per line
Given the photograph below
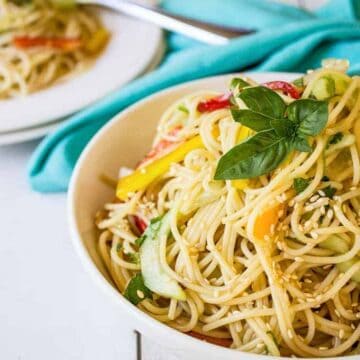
335, 243
331, 84
338, 245
155, 278
324, 88
346, 265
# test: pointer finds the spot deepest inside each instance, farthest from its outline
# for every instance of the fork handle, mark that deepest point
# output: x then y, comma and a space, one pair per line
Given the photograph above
198, 30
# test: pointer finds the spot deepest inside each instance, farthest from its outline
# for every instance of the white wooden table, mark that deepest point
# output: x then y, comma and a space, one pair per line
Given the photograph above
49, 307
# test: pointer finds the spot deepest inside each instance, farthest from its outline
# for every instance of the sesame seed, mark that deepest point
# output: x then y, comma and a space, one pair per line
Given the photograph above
330, 214
337, 313
299, 259
323, 348
318, 298
353, 326
272, 229
140, 294
308, 281
322, 211
290, 334
314, 235
357, 315
267, 238
341, 333
268, 326
314, 198
321, 193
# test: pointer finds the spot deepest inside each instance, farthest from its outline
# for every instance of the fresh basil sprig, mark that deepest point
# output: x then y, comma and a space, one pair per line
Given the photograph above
280, 129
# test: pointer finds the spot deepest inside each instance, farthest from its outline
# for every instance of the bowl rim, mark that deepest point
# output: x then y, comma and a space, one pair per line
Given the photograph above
102, 282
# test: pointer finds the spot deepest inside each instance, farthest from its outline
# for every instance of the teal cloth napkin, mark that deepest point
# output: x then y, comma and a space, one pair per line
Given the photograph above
287, 39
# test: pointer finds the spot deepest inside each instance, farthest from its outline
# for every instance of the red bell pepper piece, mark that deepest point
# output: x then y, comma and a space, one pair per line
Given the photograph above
210, 339
285, 87
216, 103
160, 146
140, 224
67, 44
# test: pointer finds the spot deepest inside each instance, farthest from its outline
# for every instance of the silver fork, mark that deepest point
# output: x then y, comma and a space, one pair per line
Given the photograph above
198, 30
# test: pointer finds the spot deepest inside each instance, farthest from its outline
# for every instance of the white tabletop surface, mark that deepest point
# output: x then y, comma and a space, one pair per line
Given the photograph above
49, 307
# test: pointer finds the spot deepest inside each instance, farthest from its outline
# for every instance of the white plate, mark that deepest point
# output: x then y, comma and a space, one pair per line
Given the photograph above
132, 47
27, 134
123, 141
35, 132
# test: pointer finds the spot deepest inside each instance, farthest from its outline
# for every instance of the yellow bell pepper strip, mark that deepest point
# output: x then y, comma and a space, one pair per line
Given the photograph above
97, 41
268, 219
145, 175
241, 184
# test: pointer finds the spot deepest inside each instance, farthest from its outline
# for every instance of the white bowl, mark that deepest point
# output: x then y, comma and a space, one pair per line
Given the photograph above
123, 141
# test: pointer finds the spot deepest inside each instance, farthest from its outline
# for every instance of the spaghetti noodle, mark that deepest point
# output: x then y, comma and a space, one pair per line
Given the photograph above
41, 44
268, 264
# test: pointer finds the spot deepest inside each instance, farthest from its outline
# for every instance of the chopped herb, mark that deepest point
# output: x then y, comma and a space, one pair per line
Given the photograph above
136, 291
300, 184
133, 258
238, 83
151, 230
183, 108
329, 192
280, 129
140, 240
335, 138
307, 216
118, 247
325, 178
299, 82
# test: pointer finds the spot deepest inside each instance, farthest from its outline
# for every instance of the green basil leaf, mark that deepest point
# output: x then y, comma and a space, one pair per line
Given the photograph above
301, 144
283, 127
257, 156
251, 119
136, 291
238, 83
264, 101
300, 184
310, 116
